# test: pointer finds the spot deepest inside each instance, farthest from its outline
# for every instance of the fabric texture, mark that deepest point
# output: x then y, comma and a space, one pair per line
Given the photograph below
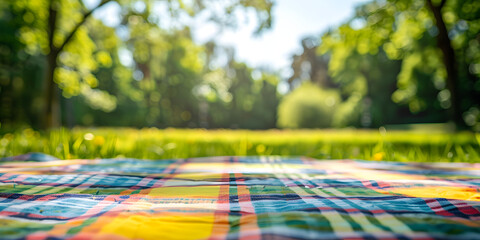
238, 198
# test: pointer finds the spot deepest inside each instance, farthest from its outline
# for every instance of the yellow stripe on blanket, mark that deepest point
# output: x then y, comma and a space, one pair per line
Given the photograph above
166, 226
459, 193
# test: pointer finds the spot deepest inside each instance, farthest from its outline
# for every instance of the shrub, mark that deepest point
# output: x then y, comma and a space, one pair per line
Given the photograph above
308, 106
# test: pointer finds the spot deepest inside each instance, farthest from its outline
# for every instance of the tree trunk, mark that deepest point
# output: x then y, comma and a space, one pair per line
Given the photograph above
51, 99
52, 103
444, 43
52, 107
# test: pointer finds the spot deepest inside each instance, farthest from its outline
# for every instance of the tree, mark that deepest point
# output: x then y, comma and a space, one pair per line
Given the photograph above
236, 96
60, 27
310, 66
54, 49
429, 38
19, 70
169, 82
449, 59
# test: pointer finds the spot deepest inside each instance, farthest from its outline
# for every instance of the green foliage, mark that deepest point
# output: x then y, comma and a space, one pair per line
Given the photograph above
392, 45
358, 49
308, 106
384, 66
348, 112
152, 143
20, 72
154, 87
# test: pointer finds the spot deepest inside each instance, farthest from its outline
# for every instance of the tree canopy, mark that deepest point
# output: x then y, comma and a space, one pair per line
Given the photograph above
137, 64
392, 62
418, 54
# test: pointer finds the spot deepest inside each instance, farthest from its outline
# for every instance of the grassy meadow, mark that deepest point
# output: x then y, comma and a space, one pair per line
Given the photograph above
152, 143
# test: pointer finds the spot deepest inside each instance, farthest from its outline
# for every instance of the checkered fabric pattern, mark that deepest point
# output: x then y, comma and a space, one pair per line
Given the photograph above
238, 198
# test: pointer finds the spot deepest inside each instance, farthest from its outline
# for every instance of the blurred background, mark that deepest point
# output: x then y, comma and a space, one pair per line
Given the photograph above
257, 64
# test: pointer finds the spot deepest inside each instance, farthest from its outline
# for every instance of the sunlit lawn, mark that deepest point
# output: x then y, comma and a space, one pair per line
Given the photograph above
181, 143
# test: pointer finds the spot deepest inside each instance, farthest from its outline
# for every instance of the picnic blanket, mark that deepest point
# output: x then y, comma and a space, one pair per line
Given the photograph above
237, 198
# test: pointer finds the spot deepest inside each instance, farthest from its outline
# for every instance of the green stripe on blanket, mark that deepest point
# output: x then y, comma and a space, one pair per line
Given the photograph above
237, 197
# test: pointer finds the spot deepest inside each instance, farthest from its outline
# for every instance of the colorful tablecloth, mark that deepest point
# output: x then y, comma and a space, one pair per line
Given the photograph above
238, 197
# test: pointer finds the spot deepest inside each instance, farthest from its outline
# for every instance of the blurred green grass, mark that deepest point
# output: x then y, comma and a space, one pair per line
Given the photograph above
152, 143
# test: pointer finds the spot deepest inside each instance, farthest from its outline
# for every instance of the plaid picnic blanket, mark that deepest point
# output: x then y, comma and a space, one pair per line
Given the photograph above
238, 198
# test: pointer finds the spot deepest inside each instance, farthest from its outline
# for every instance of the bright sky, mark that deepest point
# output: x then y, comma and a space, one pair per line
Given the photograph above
293, 20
